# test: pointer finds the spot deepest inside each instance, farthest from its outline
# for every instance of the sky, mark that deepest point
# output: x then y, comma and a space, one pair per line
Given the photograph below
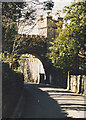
60, 4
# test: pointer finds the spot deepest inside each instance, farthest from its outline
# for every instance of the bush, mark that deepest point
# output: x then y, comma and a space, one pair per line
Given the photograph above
12, 86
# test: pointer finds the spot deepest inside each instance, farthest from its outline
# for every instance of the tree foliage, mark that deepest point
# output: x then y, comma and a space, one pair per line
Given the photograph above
48, 5
11, 11
71, 39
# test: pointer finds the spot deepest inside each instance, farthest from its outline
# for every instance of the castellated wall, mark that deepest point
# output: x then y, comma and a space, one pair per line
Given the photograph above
47, 27
31, 68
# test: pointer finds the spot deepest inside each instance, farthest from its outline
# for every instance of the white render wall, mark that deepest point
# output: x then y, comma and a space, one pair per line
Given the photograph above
31, 68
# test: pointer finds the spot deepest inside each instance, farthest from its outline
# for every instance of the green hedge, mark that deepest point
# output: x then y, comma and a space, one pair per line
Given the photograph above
12, 86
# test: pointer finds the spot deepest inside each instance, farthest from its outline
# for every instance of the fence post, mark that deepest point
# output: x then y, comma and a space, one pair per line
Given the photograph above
68, 82
85, 85
78, 83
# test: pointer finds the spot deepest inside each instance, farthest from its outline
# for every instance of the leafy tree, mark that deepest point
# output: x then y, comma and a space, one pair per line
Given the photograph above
71, 40
48, 5
11, 11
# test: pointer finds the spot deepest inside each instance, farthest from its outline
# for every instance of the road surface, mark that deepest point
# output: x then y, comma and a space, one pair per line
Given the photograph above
44, 101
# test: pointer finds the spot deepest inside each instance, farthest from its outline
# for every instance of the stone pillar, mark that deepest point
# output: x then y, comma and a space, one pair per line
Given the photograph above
82, 87
33, 63
68, 82
38, 73
85, 85
78, 83
73, 83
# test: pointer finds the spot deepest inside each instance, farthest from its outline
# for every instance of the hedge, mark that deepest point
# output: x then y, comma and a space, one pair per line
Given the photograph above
12, 87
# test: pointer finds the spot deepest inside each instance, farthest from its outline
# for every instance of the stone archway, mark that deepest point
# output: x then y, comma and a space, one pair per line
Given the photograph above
38, 46
34, 45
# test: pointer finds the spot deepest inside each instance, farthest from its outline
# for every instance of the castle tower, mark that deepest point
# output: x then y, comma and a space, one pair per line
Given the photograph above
47, 27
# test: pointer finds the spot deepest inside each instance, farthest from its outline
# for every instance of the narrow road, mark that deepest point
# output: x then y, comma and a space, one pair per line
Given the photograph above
43, 101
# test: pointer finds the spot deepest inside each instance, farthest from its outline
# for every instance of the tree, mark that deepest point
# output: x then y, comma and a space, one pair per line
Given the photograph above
11, 11
65, 50
48, 5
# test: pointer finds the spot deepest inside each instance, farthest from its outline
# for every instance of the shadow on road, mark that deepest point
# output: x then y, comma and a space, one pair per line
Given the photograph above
38, 104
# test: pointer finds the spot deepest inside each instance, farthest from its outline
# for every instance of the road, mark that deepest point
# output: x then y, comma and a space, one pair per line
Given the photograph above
44, 101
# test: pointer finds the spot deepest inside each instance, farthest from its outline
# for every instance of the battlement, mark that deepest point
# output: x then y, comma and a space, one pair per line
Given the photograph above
33, 36
47, 26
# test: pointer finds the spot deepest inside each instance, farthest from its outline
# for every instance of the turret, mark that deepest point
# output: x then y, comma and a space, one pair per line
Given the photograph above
47, 26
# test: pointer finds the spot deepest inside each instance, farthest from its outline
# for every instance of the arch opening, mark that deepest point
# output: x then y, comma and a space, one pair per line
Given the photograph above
32, 68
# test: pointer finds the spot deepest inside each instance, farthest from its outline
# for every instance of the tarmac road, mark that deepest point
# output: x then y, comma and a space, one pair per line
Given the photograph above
44, 101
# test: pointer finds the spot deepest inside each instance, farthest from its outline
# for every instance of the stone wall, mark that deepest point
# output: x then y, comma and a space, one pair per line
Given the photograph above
77, 83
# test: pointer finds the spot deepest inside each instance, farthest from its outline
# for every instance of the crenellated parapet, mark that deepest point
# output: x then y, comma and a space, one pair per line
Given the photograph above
30, 43
32, 36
